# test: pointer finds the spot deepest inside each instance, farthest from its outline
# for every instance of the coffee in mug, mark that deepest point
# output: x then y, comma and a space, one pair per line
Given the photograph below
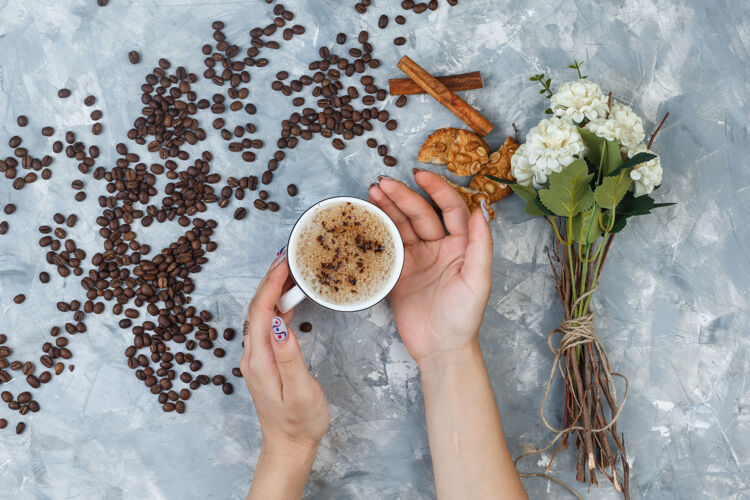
345, 254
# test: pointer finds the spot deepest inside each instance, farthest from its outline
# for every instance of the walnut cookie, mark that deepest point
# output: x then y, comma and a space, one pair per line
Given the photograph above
472, 197
463, 152
499, 166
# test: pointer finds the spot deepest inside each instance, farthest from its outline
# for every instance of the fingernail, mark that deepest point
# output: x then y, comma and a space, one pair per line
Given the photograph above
280, 256
278, 330
415, 170
373, 184
485, 210
381, 177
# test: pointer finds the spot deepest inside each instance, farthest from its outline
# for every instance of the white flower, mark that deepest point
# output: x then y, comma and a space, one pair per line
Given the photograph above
622, 125
579, 99
630, 126
606, 128
645, 175
550, 146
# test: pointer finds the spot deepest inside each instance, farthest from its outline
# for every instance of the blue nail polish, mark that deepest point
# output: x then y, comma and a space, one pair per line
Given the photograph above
279, 330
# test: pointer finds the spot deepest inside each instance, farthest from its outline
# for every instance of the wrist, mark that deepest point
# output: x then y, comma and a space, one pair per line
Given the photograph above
290, 452
457, 358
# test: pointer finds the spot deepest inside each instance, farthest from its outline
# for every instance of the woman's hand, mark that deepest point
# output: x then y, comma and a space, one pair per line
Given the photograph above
440, 299
290, 403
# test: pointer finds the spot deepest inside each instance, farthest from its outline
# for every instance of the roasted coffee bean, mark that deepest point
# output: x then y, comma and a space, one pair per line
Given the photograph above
401, 101
134, 57
391, 124
3, 338
71, 220
240, 213
28, 368
259, 204
267, 177
89, 100
219, 352
338, 144
21, 426
400, 19
399, 41
227, 387
15, 141
229, 334
3, 423
5, 351
4, 377
305, 327
18, 299
44, 277
59, 367
63, 93
45, 377
9, 208
33, 381
340, 38
420, 7
60, 232
3, 227
389, 161
6, 396
291, 190
452, 2
383, 22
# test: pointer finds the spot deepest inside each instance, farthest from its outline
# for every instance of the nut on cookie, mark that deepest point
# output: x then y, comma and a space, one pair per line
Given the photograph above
463, 152
499, 166
472, 197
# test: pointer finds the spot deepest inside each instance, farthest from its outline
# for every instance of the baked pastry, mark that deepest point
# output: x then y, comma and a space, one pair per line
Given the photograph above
472, 197
463, 152
499, 166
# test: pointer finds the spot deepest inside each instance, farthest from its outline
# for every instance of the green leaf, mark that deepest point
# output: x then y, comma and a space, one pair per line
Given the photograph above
632, 162
631, 206
660, 205
613, 157
569, 192
501, 180
527, 193
619, 224
612, 190
538, 205
585, 227
601, 152
594, 144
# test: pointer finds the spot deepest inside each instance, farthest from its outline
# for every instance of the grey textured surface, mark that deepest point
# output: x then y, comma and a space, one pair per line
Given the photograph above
672, 304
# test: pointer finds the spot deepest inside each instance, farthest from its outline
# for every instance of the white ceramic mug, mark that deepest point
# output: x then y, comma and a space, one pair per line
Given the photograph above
301, 290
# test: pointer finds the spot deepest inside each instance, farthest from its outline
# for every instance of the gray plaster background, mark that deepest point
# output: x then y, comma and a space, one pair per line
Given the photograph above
672, 304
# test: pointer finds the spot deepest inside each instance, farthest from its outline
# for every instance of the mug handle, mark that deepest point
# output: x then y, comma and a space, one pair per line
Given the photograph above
290, 299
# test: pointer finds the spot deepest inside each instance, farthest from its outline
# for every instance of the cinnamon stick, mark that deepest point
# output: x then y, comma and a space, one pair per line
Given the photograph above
465, 81
446, 97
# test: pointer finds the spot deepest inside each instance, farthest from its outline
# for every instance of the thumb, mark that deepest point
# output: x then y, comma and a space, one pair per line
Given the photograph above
477, 267
288, 356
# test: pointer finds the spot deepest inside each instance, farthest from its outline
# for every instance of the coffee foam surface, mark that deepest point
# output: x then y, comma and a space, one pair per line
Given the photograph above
345, 254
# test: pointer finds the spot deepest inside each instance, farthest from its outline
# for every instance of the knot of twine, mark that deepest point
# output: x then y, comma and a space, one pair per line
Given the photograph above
575, 332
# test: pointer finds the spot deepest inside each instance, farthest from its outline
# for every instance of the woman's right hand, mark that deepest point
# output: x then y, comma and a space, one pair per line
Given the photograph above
290, 403
440, 299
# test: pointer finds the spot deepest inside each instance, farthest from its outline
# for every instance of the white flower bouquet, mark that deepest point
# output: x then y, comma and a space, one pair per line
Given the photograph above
587, 171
